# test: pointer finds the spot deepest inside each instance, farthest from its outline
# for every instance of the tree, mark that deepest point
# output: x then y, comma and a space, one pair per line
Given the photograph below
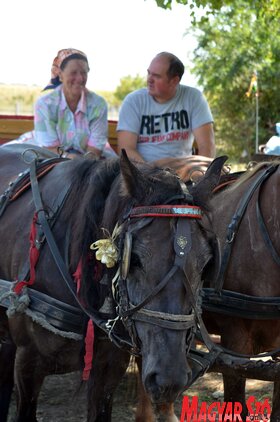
231, 46
127, 85
211, 7
236, 38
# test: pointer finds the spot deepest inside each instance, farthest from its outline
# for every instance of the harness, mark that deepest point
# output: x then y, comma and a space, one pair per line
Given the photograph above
235, 304
215, 300
231, 303
62, 316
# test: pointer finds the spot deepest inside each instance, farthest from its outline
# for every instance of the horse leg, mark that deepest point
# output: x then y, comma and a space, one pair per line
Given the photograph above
145, 412
108, 367
234, 391
7, 358
275, 414
29, 378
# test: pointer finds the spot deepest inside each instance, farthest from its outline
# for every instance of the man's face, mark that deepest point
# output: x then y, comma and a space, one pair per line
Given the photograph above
160, 87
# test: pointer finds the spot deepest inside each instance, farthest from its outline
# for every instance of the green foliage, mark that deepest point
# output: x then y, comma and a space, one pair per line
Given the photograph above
127, 85
211, 7
231, 46
18, 99
110, 98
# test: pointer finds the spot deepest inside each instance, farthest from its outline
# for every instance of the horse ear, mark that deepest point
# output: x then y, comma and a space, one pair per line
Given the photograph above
202, 191
135, 182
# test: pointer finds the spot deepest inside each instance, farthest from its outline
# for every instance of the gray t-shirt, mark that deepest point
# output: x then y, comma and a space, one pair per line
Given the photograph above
164, 130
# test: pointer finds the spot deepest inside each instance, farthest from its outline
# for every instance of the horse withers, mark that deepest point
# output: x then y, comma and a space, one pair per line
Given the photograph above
241, 291
73, 204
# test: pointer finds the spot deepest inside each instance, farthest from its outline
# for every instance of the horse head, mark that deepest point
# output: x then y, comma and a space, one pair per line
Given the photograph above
157, 284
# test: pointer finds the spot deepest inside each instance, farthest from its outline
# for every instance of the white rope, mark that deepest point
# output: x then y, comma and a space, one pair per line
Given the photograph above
19, 304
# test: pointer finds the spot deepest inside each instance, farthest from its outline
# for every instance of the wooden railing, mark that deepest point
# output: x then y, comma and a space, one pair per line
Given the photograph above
11, 127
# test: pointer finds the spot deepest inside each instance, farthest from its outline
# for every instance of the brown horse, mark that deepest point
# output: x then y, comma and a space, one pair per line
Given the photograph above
46, 233
241, 293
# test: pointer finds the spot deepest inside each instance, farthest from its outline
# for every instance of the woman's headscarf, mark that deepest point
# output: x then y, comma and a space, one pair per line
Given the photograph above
56, 65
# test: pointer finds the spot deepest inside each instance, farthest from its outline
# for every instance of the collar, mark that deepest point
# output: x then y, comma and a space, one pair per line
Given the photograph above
82, 105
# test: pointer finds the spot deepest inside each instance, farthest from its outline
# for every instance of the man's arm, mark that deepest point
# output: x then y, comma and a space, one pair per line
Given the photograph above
128, 141
205, 140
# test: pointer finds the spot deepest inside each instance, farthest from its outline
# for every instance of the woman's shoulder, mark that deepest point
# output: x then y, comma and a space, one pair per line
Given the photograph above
52, 97
93, 97
95, 101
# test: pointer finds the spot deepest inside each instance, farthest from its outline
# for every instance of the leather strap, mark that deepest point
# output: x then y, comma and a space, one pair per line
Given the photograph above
49, 236
265, 234
235, 222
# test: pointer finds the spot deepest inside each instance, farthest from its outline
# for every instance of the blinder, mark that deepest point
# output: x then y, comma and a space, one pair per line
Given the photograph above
127, 246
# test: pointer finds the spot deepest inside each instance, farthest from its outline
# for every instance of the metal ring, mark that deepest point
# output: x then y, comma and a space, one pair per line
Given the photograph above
196, 169
35, 153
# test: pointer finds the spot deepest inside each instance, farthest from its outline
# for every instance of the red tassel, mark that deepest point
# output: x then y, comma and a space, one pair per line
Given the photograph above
33, 258
89, 339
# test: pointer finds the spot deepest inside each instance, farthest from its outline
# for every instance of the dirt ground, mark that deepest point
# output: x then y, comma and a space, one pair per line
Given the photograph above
60, 402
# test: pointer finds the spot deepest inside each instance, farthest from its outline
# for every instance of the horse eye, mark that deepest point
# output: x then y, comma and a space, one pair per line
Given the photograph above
135, 261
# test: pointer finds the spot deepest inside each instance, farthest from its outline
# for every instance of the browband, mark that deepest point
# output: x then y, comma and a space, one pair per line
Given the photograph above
190, 211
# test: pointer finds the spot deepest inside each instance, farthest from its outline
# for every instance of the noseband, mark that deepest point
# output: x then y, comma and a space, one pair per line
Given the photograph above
129, 313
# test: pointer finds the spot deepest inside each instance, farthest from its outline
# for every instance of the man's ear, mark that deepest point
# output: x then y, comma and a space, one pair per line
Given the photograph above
175, 80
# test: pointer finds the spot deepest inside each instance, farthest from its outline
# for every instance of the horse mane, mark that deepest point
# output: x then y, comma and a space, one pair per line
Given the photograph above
90, 185
93, 184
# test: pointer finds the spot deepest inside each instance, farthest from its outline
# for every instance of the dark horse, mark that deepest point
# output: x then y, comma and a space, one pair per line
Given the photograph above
46, 233
241, 290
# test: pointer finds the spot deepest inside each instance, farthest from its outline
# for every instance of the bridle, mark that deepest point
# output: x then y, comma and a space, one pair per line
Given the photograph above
137, 219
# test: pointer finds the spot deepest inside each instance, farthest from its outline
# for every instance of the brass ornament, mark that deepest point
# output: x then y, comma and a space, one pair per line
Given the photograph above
182, 242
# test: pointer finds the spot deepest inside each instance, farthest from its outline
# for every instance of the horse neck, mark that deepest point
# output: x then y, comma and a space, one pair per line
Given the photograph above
225, 204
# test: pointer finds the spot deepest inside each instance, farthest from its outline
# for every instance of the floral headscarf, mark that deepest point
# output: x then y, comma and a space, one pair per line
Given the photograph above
56, 65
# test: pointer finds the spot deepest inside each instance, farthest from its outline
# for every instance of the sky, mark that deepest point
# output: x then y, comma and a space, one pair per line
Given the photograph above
120, 38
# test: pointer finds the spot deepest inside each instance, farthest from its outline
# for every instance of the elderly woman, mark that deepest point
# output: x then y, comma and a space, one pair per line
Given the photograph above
71, 116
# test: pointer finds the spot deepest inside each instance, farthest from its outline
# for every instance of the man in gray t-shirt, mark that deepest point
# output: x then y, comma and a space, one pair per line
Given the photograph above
163, 119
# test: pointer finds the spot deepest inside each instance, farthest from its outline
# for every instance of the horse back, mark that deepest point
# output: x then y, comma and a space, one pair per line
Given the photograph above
17, 222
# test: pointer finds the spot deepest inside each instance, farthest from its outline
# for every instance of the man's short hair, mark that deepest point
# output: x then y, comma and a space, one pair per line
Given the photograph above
176, 67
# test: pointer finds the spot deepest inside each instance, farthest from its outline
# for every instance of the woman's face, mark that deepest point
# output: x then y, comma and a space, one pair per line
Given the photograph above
74, 77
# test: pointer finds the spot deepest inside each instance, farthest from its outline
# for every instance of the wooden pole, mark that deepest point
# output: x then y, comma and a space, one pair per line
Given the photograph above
257, 122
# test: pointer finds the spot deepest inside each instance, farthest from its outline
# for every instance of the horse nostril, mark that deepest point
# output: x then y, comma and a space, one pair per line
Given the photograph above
162, 389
